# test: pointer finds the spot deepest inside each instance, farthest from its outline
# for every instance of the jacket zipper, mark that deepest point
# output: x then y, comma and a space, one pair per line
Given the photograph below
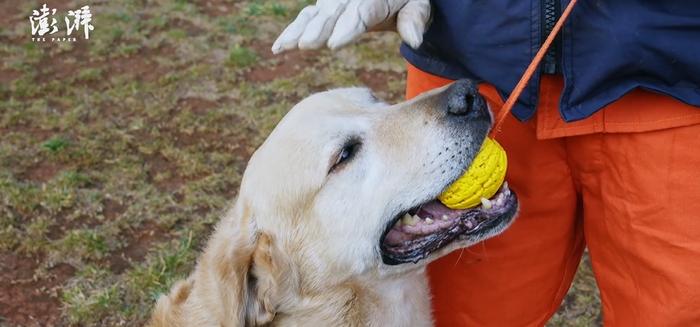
550, 12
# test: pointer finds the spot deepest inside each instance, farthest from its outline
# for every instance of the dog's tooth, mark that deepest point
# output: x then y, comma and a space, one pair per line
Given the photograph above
406, 220
411, 220
500, 200
428, 221
444, 217
415, 220
486, 203
505, 185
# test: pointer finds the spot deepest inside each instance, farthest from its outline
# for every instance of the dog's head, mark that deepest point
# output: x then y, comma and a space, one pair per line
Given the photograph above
323, 199
338, 173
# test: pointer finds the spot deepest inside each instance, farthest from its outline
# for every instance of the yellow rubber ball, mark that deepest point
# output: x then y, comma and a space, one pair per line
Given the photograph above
482, 180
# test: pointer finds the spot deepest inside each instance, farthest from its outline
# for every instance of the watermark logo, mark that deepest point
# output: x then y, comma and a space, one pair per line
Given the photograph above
45, 25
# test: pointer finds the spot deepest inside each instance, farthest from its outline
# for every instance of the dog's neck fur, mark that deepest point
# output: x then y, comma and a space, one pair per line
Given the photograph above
396, 301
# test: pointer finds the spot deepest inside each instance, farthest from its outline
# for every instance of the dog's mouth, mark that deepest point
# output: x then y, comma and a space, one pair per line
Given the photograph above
421, 231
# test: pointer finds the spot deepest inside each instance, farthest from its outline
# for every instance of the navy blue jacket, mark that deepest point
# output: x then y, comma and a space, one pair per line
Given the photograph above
606, 49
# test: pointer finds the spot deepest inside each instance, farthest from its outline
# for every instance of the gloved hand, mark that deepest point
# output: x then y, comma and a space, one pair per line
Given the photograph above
337, 23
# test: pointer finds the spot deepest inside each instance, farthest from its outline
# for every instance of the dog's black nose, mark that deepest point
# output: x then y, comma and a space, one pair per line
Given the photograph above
463, 98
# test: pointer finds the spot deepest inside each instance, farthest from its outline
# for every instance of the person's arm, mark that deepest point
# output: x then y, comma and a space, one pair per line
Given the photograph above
336, 23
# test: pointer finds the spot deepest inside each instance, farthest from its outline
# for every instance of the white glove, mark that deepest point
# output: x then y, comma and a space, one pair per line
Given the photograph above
337, 23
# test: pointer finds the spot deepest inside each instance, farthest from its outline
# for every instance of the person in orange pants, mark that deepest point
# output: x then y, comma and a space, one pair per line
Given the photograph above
625, 183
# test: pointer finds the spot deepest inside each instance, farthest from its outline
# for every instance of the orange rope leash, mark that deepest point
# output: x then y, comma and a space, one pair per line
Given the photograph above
508, 105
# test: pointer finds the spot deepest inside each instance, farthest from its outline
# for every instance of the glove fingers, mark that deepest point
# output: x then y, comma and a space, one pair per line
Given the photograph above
412, 20
373, 12
348, 27
331, 22
320, 27
289, 38
361, 16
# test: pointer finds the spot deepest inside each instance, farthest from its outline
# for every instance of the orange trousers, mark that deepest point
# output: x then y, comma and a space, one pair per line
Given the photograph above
625, 183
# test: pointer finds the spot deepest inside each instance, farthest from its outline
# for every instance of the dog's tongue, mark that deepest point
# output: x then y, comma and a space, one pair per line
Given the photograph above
434, 210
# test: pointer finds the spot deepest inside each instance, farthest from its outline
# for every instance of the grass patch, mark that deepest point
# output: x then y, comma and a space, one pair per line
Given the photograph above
86, 243
88, 308
167, 266
55, 144
240, 57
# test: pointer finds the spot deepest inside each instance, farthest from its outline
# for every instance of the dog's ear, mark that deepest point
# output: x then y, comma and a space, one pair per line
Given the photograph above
247, 269
168, 309
236, 282
262, 283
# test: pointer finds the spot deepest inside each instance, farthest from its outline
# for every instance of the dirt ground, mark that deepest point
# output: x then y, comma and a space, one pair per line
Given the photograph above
118, 153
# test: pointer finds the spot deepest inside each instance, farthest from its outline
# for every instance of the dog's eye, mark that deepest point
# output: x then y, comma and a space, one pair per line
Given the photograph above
346, 154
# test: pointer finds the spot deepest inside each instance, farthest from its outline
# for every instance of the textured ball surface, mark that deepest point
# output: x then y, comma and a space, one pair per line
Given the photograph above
482, 180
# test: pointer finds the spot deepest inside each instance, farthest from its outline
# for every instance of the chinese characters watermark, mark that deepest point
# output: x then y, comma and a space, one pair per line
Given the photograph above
44, 23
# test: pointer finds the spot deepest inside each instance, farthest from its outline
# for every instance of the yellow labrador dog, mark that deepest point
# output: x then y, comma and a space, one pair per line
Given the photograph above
336, 217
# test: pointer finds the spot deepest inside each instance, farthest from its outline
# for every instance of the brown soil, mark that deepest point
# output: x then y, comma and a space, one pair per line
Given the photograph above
26, 299
377, 81
195, 105
285, 65
42, 172
215, 8
10, 13
137, 247
159, 165
9, 75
